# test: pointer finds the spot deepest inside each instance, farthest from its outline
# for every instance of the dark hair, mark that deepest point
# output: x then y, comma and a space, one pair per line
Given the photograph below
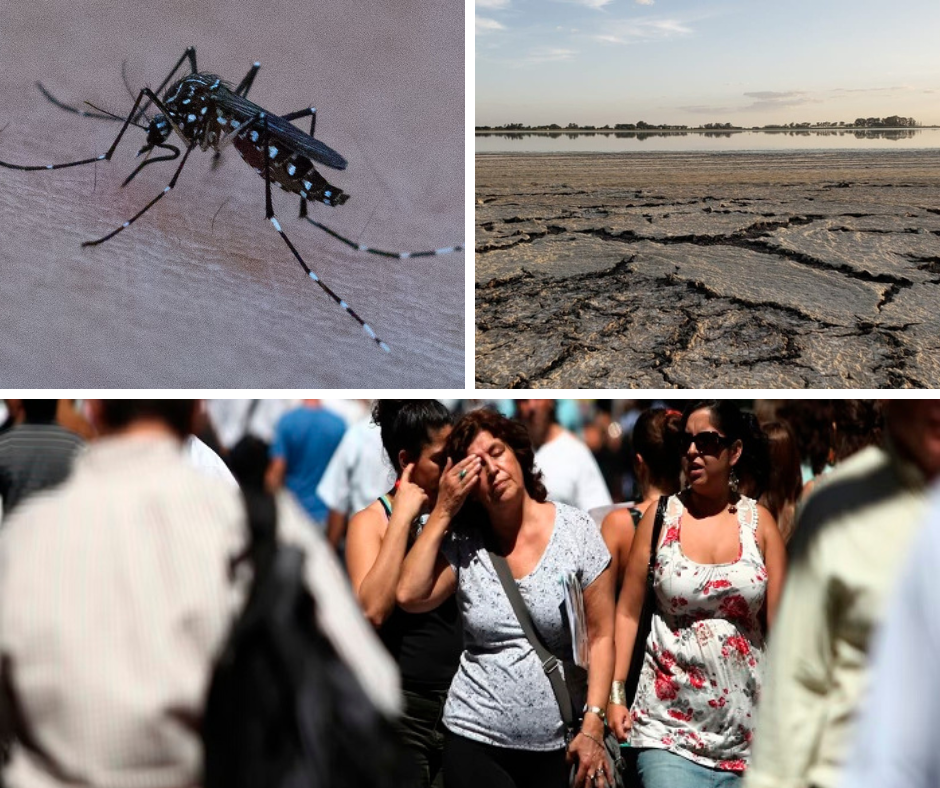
859, 424
510, 432
407, 425
785, 480
656, 440
729, 419
753, 467
40, 411
177, 414
812, 422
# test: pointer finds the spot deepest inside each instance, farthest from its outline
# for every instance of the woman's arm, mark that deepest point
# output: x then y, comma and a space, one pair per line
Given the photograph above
629, 607
775, 559
426, 577
374, 553
618, 530
599, 609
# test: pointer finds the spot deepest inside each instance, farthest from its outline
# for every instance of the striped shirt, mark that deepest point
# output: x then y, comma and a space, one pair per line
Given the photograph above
34, 457
115, 600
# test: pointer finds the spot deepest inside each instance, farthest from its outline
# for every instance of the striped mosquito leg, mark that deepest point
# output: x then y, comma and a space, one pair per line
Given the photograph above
62, 105
312, 112
382, 252
103, 157
269, 215
245, 85
149, 205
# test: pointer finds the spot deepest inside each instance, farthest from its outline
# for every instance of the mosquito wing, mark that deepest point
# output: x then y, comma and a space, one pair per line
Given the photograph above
282, 130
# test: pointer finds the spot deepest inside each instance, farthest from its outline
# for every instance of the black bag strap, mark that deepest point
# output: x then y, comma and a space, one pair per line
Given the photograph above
550, 663
649, 606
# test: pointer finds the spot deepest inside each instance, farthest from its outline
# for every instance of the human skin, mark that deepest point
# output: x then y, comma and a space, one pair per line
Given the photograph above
201, 291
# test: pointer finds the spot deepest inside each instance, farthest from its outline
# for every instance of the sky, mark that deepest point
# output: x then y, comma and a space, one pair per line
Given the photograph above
691, 62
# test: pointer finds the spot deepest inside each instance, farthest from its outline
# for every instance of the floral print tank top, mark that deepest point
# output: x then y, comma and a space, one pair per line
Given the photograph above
701, 674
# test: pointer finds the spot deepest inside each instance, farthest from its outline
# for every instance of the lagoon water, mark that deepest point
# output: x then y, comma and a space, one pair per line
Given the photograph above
714, 141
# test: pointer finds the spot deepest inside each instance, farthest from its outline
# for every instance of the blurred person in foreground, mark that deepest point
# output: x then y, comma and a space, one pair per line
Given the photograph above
116, 595
719, 567
504, 724
851, 536
896, 740
427, 645
657, 466
36, 454
570, 471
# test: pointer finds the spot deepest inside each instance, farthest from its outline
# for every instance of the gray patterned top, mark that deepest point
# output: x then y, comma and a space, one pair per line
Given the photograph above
500, 695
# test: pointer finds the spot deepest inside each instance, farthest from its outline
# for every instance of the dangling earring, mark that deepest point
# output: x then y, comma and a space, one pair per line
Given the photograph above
733, 487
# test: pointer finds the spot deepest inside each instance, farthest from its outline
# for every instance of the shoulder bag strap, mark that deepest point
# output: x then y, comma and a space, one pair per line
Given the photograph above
549, 661
649, 605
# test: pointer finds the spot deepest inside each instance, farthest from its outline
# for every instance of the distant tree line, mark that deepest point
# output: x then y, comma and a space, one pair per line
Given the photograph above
890, 122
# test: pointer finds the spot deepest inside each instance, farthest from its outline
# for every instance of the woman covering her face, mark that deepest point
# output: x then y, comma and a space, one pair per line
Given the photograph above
504, 726
717, 577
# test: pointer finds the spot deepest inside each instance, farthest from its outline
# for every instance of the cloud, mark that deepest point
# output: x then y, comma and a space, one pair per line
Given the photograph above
702, 109
645, 2
484, 25
492, 3
637, 31
772, 99
595, 4
547, 55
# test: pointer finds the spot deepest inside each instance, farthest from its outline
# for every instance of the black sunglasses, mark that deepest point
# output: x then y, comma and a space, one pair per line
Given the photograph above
705, 442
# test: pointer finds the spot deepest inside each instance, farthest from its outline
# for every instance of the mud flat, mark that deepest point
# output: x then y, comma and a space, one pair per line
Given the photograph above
701, 270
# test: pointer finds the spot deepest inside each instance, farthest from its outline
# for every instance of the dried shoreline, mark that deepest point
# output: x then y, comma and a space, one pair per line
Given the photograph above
698, 270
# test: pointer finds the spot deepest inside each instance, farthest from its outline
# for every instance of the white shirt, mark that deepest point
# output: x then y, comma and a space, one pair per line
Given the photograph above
358, 472
897, 745
206, 461
571, 473
115, 599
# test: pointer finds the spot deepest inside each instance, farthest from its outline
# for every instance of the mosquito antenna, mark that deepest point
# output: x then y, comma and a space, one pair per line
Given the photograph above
112, 115
127, 85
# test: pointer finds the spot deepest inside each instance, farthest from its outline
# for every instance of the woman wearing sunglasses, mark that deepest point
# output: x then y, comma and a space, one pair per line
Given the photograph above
717, 578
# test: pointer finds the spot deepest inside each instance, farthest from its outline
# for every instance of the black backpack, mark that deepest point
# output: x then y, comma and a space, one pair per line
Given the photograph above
283, 710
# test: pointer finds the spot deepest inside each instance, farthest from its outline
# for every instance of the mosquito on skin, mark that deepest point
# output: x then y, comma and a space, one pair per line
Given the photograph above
207, 112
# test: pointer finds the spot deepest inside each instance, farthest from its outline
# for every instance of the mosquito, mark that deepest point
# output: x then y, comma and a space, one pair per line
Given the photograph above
207, 112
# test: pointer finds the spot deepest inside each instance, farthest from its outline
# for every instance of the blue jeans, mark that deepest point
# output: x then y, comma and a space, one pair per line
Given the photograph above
664, 769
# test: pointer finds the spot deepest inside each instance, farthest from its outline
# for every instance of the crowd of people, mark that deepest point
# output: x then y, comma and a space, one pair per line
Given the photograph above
516, 586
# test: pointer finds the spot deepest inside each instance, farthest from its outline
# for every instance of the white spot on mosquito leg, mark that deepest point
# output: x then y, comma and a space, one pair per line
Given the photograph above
385, 347
363, 248
368, 329
445, 250
344, 305
314, 277
50, 166
404, 255
277, 225
256, 64
102, 157
272, 151
126, 224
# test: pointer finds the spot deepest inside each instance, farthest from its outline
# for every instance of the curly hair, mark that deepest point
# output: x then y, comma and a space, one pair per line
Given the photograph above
510, 432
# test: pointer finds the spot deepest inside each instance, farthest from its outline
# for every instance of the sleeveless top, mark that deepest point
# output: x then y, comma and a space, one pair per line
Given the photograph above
701, 674
427, 646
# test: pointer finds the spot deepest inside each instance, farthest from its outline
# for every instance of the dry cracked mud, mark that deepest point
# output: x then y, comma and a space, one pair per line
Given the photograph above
783, 270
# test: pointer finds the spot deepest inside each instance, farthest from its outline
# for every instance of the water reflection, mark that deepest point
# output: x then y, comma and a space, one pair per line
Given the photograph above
601, 140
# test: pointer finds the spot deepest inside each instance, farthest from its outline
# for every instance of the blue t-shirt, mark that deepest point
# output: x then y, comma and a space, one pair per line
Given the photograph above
306, 439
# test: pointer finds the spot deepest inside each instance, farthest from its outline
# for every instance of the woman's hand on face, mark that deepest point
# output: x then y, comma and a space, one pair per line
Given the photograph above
457, 482
619, 720
591, 758
410, 499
